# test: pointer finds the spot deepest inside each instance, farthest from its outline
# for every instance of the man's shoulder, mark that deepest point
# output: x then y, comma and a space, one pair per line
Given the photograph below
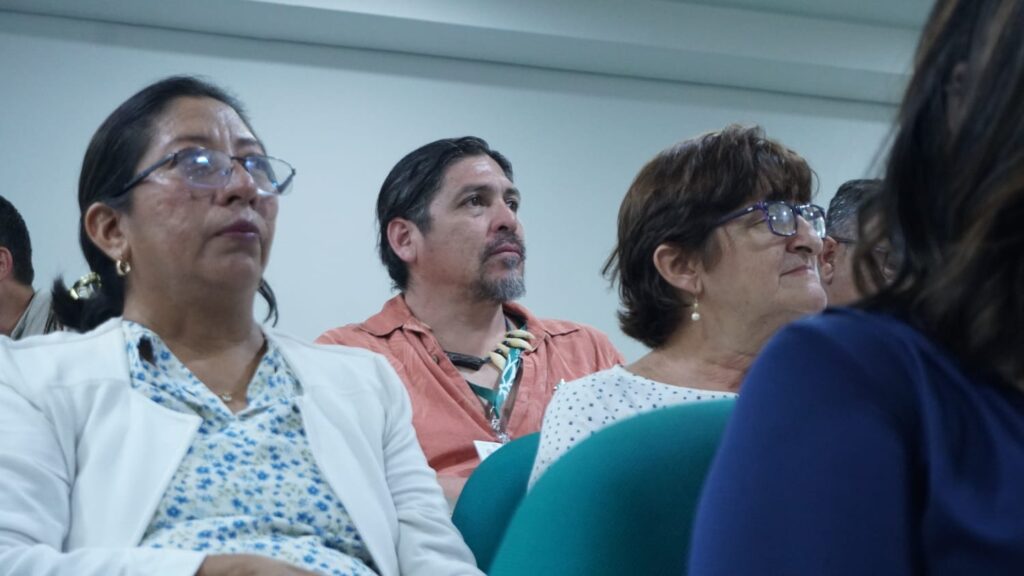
575, 339
345, 335
556, 328
375, 329
64, 358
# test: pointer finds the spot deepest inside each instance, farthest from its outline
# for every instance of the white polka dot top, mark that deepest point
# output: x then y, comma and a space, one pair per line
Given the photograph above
584, 406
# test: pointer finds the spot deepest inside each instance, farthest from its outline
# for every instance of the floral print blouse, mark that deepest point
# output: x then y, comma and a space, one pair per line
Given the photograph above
249, 482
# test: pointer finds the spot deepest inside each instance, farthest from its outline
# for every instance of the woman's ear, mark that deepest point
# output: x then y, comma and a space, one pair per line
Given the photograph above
103, 225
680, 268
403, 238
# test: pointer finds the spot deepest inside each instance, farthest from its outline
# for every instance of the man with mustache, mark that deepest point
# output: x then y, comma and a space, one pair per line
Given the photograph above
480, 369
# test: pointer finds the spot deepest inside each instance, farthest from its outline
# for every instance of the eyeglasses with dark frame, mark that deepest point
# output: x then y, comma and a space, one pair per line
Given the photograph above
782, 217
206, 169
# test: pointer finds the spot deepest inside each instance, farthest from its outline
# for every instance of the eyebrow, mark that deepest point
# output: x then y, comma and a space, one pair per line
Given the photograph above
486, 188
204, 140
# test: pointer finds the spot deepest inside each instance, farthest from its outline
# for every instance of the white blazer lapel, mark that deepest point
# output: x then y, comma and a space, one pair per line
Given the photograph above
117, 490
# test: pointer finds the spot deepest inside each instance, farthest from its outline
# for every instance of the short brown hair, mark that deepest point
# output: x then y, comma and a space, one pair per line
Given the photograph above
678, 198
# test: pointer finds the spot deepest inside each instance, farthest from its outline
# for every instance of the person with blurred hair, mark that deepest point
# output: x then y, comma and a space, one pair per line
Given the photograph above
889, 438
23, 310
718, 247
178, 436
837, 273
479, 367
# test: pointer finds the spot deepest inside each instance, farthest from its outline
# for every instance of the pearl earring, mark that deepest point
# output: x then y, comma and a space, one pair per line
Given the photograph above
695, 315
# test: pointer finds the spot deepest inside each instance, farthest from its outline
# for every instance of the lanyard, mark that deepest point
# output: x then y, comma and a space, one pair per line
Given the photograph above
495, 399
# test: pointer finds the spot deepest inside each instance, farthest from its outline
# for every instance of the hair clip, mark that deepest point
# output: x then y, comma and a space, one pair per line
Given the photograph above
85, 287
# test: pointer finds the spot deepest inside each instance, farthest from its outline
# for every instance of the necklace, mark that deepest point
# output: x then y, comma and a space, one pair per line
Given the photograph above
506, 359
513, 338
467, 361
226, 397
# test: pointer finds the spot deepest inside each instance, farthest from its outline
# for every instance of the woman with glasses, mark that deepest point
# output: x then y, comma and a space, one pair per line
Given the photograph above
717, 249
889, 439
176, 435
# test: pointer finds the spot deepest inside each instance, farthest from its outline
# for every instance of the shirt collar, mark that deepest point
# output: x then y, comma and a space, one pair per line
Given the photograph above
396, 315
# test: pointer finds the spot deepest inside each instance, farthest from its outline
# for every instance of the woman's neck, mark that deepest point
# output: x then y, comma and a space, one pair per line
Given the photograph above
695, 359
198, 330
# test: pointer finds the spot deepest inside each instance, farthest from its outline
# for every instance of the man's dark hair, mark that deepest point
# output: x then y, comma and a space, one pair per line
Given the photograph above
841, 219
14, 237
414, 182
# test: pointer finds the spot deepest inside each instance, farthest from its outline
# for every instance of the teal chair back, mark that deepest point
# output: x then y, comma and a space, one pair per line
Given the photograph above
491, 496
621, 501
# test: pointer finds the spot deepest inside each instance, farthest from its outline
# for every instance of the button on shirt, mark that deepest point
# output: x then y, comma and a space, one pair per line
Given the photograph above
249, 482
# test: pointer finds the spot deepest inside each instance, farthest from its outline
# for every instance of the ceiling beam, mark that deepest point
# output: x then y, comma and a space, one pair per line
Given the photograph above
658, 40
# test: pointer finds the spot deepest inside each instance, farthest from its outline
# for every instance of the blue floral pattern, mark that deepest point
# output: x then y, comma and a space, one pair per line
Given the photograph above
249, 482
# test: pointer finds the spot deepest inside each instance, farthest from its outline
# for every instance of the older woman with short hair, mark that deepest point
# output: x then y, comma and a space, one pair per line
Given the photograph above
717, 249
177, 435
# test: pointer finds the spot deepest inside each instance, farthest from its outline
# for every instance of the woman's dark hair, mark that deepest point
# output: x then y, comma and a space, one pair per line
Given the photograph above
110, 162
411, 186
954, 189
678, 198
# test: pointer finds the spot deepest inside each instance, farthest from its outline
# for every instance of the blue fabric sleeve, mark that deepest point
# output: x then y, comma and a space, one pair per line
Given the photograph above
815, 472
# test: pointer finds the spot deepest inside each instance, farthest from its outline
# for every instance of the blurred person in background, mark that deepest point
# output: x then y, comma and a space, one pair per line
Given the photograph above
23, 310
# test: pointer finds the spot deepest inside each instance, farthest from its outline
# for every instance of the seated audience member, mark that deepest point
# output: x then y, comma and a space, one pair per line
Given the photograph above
717, 249
480, 368
837, 255
23, 311
177, 436
889, 439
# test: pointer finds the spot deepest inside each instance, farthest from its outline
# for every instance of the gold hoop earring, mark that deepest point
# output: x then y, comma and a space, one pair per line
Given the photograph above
123, 267
695, 315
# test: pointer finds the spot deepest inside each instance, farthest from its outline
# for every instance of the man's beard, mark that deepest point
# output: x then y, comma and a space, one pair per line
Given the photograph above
508, 287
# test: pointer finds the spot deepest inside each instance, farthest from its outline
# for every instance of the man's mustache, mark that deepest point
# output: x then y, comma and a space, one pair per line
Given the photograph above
503, 243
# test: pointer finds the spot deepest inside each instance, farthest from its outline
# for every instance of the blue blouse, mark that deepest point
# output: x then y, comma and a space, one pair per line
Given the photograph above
249, 482
859, 446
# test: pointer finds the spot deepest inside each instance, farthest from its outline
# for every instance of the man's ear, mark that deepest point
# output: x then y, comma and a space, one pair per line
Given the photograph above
403, 237
827, 259
681, 269
104, 226
6, 264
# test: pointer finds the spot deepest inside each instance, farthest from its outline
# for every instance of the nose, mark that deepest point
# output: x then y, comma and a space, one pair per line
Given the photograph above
505, 217
241, 186
806, 239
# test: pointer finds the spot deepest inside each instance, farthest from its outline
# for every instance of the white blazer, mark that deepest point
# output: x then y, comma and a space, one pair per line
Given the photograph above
85, 460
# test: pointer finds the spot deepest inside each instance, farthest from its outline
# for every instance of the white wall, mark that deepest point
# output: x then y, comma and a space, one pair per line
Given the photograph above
344, 116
